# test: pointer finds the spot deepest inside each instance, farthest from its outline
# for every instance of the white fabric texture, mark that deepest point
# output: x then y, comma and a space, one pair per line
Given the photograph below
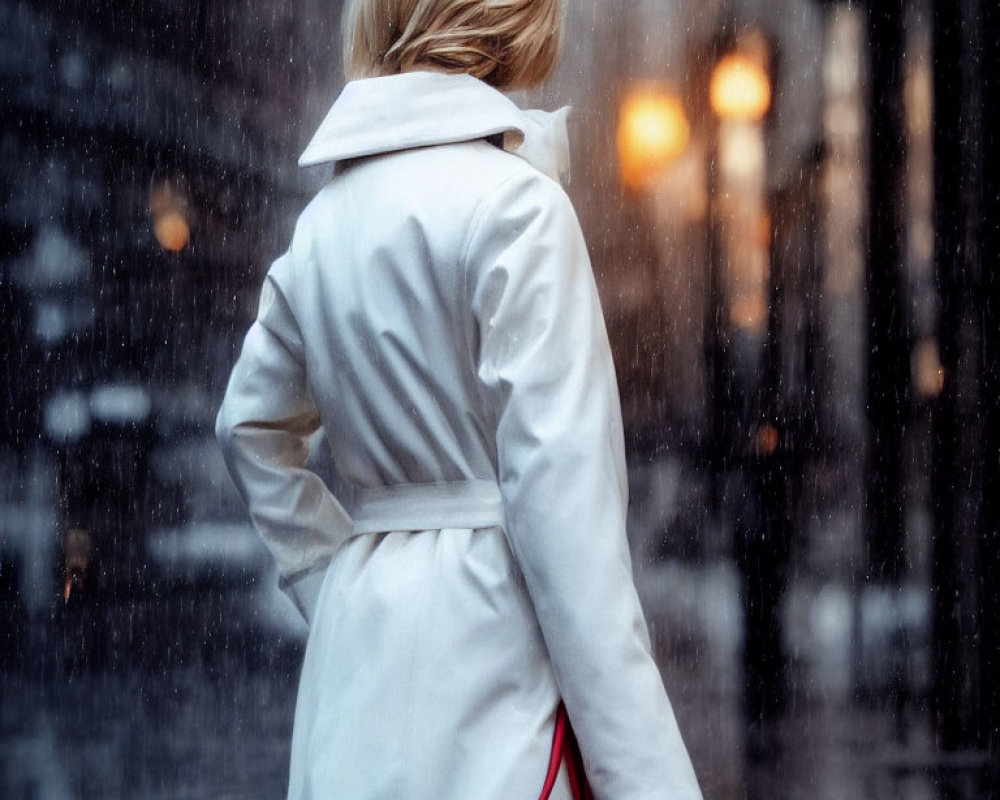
437, 315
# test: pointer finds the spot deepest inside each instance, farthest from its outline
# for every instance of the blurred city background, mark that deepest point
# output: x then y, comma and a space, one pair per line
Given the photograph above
792, 212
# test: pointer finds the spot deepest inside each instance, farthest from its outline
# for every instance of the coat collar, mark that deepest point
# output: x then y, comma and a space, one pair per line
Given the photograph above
419, 109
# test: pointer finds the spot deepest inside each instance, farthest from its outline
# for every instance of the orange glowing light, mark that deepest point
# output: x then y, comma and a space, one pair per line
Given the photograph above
768, 439
740, 88
171, 231
653, 130
927, 370
168, 208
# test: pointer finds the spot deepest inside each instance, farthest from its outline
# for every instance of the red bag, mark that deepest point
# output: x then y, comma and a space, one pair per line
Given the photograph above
565, 748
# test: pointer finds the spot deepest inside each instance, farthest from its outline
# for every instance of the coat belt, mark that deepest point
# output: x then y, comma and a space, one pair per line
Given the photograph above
427, 506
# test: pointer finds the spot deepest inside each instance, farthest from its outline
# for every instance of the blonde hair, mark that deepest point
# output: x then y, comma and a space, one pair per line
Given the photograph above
510, 44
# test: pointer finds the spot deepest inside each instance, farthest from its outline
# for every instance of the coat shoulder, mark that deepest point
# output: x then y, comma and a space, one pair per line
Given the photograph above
451, 176
443, 191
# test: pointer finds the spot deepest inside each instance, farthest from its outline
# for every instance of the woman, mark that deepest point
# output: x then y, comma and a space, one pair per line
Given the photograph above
436, 314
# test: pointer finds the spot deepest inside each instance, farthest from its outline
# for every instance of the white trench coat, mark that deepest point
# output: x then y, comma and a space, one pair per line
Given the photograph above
436, 314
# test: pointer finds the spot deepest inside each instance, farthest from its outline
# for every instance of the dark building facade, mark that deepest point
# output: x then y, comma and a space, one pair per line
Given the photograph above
148, 175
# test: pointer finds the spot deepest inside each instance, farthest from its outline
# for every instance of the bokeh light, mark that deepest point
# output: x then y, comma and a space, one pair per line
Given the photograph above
168, 209
740, 88
653, 131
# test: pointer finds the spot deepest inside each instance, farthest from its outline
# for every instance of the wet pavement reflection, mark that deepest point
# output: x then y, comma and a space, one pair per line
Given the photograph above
186, 689
194, 699
184, 695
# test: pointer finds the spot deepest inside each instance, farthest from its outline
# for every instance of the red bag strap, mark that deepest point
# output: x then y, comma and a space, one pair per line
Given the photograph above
565, 748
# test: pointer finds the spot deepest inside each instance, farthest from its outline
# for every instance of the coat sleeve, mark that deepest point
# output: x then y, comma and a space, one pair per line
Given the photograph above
263, 427
545, 362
